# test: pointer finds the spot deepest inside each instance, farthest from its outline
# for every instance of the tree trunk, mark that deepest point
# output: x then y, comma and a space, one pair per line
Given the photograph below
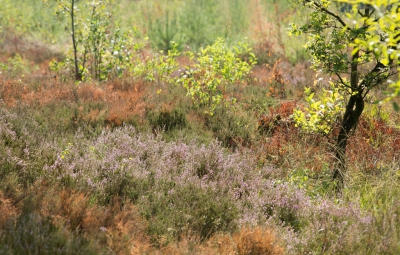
78, 74
354, 109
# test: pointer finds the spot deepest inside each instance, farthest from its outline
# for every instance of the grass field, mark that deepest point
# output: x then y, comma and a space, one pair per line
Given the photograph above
132, 165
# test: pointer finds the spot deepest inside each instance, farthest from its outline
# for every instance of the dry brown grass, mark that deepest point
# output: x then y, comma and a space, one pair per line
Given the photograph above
7, 209
117, 226
257, 241
247, 241
122, 99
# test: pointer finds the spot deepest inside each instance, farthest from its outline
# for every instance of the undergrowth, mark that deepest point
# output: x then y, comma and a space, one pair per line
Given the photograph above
130, 165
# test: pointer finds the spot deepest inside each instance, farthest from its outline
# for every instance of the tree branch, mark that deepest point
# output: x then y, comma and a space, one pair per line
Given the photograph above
342, 81
323, 9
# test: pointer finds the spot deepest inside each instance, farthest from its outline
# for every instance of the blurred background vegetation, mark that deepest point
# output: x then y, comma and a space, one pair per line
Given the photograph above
191, 24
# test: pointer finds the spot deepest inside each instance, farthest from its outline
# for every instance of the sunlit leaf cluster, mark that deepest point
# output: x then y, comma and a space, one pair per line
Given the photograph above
355, 42
384, 38
158, 68
321, 113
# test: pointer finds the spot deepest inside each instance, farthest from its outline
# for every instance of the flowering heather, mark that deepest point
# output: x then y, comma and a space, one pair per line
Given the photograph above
185, 188
132, 165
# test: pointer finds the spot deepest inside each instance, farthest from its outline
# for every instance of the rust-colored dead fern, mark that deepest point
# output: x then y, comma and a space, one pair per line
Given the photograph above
7, 210
256, 241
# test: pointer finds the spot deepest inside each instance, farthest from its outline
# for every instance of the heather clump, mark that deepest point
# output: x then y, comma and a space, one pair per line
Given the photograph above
202, 211
184, 188
329, 228
32, 234
23, 151
163, 178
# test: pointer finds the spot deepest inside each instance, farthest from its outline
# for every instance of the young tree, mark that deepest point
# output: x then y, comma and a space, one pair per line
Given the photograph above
357, 45
389, 24
69, 8
98, 45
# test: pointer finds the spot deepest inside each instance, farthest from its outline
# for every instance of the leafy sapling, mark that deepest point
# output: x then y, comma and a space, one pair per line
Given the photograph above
99, 48
217, 66
358, 48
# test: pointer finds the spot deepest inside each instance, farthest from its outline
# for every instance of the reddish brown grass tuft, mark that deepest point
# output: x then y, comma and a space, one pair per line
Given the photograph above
256, 241
7, 209
117, 226
121, 100
248, 241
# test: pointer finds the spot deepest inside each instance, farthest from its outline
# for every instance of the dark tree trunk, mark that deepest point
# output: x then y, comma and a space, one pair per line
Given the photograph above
354, 109
78, 74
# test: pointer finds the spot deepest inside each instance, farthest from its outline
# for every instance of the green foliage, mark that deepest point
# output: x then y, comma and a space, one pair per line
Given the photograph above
100, 50
188, 209
320, 115
32, 234
382, 36
157, 68
15, 67
370, 37
377, 193
315, 185
163, 28
190, 23
202, 22
217, 67
28, 18
377, 112
199, 19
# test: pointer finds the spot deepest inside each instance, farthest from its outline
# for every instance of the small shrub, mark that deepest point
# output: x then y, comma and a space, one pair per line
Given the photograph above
15, 67
280, 116
189, 209
277, 82
32, 234
159, 68
217, 67
99, 49
233, 128
322, 115
165, 30
168, 120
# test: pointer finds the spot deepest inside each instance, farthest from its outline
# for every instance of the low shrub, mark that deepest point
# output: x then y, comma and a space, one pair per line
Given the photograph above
185, 188
187, 209
33, 234
168, 120
233, 128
